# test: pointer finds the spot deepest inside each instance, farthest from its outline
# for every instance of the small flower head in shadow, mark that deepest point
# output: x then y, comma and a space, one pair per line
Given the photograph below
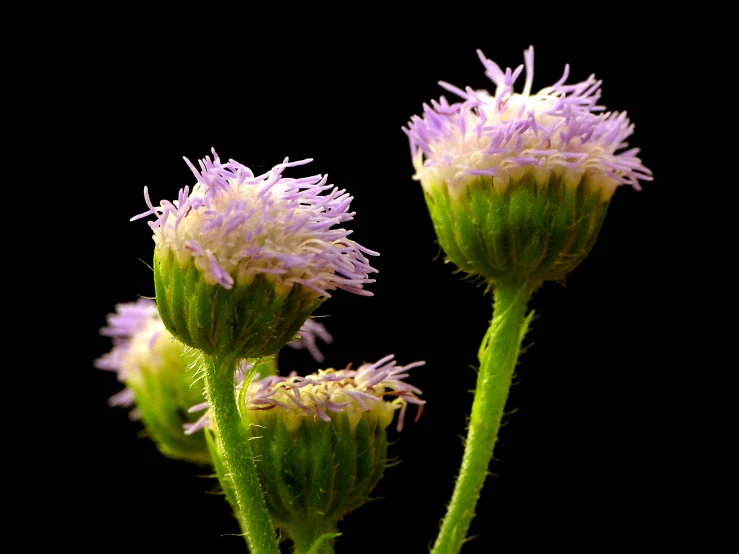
160, 378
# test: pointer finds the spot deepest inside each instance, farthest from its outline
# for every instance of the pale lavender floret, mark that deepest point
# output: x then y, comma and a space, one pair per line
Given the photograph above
198, 425
560, 125
308, 334
359, 397
129, 319
319, 257
123, 399
368, 384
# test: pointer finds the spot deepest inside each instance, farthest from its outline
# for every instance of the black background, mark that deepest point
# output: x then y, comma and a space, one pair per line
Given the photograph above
588, 459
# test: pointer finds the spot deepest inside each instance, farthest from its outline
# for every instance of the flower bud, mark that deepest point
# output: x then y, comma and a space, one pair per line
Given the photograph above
160, 374
242, 260
320, 441
518, 184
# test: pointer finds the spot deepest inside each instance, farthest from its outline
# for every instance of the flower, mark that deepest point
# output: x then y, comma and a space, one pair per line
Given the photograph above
160, 377
559, 130
518, 184
320, 441
241, 261
348, 391
235, 225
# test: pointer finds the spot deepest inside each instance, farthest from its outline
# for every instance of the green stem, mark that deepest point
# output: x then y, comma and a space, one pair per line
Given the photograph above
238, 460
306, 534
498, 355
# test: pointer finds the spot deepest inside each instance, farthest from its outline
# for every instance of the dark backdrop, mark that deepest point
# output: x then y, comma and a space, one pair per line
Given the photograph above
583, 462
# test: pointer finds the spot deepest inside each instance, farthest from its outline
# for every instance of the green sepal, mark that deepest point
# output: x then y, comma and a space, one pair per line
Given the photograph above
248, 320
529, 231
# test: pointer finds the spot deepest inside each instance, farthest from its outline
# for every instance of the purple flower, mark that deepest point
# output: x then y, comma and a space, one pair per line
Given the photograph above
328, 391
235, 225
559, 130
160, 378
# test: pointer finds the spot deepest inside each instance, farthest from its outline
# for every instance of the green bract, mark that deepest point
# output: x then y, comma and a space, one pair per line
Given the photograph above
318, 471
250, 320
536, 231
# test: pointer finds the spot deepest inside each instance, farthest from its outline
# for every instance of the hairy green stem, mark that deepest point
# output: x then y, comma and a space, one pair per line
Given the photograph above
239, 463
498, 355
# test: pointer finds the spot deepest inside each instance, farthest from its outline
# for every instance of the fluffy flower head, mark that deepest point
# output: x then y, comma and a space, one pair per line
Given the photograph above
236, 225
560, 130
317, 396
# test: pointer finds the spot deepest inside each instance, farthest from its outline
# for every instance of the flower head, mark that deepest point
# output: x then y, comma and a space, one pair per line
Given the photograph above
559, 130
235, 225
518, 184
241, 261
159, 374
345, 391
319, 441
